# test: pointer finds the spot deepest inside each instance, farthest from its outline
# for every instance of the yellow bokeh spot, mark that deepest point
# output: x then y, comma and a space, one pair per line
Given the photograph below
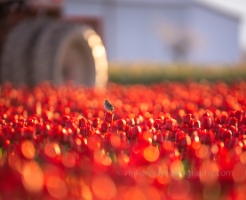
32, 177
103, 187
56, 187
102, 158
86, 193
147, 135
202, 152
115, 140
52, 150
151, 153
28, 149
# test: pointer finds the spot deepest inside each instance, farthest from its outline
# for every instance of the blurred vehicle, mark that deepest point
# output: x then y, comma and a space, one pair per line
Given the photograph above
38, 43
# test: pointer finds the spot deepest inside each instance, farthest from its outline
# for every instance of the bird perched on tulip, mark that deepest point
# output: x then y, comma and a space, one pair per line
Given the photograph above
108, 106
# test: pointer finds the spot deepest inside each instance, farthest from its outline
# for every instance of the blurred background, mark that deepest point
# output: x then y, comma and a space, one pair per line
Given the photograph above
196, 31
119, 33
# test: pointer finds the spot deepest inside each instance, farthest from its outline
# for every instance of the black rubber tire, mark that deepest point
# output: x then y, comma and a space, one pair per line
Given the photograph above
52, 61
16, 66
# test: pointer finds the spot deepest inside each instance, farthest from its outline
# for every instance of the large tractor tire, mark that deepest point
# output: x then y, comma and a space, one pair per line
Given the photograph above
17, 55
67, 52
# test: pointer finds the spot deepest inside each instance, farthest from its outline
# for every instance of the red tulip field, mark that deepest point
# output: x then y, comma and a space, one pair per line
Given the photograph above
163, 141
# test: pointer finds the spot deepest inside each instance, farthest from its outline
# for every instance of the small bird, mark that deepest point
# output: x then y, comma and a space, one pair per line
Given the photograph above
108, 106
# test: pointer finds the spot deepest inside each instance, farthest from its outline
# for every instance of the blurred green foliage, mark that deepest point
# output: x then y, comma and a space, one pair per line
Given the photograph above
146, 74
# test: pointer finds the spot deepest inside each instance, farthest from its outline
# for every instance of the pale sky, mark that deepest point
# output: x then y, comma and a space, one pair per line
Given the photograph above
237, 7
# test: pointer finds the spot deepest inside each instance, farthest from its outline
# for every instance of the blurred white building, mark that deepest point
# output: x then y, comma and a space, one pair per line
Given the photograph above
161, 30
